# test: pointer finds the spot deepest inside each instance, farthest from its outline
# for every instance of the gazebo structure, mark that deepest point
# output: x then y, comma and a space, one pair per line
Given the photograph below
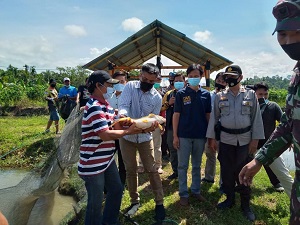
158, 39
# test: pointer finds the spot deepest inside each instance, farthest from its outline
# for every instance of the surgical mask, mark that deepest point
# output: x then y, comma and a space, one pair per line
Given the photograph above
67, 86
156, 85
219, 86
194, 81
232, 81
119, 87
109, 93
145, 86
266, 101
292, 50
178, 85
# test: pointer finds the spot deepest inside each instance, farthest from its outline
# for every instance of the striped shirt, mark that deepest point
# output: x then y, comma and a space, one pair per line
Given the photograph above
95, 155
136, 104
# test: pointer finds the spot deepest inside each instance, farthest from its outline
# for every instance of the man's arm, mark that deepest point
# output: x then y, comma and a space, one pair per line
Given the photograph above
175, 122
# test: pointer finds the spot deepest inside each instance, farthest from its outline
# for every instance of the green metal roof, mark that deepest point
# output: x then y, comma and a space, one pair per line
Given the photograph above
152, 39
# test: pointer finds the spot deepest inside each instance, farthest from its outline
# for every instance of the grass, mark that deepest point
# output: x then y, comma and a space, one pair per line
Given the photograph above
33, 147
22, 142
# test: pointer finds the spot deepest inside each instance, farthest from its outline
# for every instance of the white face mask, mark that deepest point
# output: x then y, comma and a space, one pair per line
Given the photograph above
109, 93
119, 87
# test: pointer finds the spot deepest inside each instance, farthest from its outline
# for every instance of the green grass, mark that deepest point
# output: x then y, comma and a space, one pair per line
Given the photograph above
22, 142
33, 147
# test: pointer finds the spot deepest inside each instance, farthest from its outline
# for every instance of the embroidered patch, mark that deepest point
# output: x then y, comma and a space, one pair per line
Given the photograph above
187, 100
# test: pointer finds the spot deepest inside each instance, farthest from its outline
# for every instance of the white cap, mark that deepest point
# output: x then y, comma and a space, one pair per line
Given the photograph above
66, 78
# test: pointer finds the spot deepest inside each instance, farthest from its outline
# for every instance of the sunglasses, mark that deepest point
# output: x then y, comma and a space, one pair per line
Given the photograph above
286, 10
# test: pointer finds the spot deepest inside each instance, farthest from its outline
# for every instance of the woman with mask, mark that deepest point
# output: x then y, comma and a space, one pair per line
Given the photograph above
190, 119
51, 97
114, 102
287, 14
96, 165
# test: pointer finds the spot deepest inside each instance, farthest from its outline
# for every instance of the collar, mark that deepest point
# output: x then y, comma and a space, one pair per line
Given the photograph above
103, 101
188, 89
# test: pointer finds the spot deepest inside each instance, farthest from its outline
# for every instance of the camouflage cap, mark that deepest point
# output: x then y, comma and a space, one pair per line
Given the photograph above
287, 13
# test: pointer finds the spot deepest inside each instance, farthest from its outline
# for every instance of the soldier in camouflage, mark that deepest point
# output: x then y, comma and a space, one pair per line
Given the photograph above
287, 13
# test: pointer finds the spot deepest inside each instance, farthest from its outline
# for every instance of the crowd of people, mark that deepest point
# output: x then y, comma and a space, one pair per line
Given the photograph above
233, 123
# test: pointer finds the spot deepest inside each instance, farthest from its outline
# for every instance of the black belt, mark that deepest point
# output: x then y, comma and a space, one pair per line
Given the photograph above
236, 131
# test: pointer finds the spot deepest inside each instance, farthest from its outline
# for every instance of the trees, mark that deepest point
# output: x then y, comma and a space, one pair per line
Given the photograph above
26, 84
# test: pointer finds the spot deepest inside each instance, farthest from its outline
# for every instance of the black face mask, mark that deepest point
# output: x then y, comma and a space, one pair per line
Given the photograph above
292, 50
145, 86
261, 101
232, 81
219, 86
171, 82
53, 85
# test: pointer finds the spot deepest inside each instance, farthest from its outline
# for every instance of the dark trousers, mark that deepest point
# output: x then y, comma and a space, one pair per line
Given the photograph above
232, 159
164, 145
122, 171
173, 152
272, 177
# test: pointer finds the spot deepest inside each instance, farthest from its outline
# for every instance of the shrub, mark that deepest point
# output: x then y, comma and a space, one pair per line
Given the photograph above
36, 92
10, 94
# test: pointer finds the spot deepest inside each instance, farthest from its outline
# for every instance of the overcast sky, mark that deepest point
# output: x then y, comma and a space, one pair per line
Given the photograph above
59, 33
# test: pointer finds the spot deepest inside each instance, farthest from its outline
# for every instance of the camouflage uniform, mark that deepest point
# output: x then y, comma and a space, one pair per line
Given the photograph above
287, 133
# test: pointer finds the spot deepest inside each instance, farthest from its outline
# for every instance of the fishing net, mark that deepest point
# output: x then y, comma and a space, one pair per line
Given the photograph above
17, 202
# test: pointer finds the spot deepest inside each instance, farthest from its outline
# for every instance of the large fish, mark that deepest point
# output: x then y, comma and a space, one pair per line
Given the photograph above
144, 122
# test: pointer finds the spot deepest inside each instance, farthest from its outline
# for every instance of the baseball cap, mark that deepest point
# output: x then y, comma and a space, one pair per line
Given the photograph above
52, 81
66, 79
101, 76
233, 70
287, 14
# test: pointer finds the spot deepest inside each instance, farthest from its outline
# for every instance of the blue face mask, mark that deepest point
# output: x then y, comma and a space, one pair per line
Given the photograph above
119, 87
194, 81
179, 85
109, 93
266, 101
156, 85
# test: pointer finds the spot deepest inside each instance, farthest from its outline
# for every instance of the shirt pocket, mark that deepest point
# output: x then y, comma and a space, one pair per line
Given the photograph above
246, 107
224, 108
147, 108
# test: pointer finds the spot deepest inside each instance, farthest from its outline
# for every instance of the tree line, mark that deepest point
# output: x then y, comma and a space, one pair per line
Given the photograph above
26, 85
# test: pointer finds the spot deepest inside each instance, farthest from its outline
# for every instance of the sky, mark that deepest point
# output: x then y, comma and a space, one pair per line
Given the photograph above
64, 33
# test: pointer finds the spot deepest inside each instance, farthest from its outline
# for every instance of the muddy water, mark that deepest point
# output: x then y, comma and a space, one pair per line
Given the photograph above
49, 209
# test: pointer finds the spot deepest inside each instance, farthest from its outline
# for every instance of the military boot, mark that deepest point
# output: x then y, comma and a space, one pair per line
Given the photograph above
245, 206
228, 203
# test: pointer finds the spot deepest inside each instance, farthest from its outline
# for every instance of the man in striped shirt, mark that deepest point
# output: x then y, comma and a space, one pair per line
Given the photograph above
139, 99
97, 166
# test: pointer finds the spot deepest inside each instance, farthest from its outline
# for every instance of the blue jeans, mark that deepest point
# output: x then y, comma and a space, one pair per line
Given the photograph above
194, 148
95, 186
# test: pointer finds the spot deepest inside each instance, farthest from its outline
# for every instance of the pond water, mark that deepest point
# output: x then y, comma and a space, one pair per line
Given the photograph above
49, 209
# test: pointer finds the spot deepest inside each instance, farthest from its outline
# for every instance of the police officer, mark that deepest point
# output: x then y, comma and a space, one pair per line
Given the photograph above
238, 112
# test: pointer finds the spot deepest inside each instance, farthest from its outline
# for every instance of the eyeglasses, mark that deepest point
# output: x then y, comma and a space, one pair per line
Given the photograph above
286, 9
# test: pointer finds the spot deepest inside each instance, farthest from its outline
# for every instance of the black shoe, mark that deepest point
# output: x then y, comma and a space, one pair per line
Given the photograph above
208, 181
247, 212
226, 204
160, 213
172, 176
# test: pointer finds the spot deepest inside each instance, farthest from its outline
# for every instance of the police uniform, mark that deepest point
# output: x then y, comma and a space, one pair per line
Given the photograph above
240, 122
